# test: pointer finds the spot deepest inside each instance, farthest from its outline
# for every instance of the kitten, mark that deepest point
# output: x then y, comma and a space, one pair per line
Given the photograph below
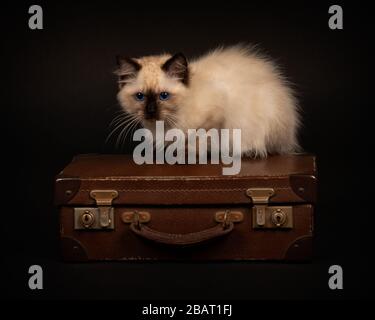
231, 88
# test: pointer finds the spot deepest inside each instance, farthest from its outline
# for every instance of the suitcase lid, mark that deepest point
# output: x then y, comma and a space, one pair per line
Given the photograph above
293, 178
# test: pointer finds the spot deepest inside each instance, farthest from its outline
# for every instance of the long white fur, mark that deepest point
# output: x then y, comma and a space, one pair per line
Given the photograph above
233, 88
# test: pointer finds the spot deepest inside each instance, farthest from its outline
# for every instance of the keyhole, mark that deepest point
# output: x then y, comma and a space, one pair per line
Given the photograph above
87, 219
278, 218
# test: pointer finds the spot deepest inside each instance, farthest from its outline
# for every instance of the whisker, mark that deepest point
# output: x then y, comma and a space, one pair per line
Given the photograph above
119, 124
125, 131
171, 120
171, 115
132, 128
123, 114
119, 119
116, 128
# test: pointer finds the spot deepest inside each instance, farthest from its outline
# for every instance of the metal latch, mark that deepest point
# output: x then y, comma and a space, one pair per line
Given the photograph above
103, 199
265, 217
232, 216
135, 216
89, 219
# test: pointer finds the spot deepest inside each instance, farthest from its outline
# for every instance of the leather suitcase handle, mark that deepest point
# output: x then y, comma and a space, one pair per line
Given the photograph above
180, 240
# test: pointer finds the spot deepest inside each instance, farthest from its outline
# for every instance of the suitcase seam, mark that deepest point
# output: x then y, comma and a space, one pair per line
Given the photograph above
183, 190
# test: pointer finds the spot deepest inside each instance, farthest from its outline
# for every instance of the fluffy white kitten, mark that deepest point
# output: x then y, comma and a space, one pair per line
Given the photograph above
232, 88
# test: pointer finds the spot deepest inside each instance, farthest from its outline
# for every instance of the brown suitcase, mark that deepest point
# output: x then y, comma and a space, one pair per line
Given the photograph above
113, 209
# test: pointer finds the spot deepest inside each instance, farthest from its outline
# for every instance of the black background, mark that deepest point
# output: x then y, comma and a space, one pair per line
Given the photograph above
59, 98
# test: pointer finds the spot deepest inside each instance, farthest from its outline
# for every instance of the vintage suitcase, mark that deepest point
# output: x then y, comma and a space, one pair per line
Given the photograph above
113, 209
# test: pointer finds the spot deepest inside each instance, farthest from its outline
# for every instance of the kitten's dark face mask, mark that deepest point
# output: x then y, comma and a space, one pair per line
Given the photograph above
151, 104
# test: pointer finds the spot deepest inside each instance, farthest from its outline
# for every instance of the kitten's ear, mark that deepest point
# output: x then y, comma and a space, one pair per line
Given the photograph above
128, 68
177, 67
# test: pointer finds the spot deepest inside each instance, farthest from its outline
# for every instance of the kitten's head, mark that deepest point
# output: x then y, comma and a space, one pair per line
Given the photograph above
152, 87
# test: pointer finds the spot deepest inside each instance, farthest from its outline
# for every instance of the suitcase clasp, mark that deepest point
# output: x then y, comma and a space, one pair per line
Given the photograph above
265, 216
103, 199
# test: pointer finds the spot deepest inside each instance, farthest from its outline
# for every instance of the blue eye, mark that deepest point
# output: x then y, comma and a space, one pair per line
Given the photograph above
164, 96
139, 96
